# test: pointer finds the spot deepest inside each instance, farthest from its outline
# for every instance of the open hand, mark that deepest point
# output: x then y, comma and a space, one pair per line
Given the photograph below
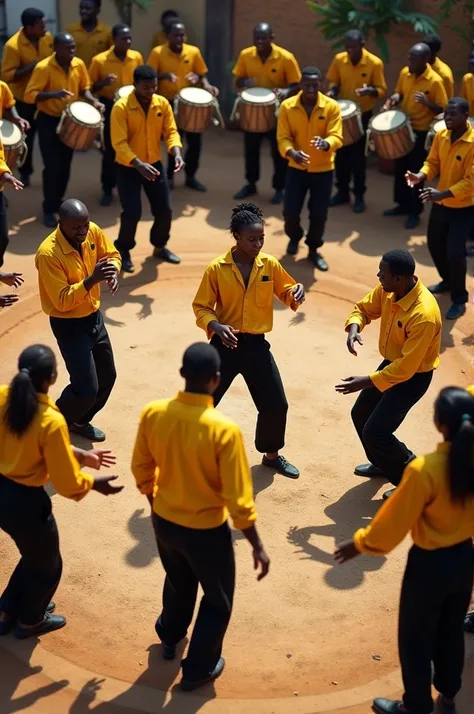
14, 280
228, 335
64, 94
319, 143
23, 124
429, 195
300, 157
178, 163
148, 171
11, 180
110, 79
420, 98
351, 339
113, 284
96, 458
192, 78
345, 551
298, 293
262, 561
413, 179
7, 300
353, 384
103, 484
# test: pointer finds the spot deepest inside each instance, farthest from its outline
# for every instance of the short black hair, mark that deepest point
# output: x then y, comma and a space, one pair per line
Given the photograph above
460, 103
311, 72
120, 27
144, 73
433, 41
355, 36
63, 38
245, 214
30, 16
400, 262
166, 15
201, 362
97, 3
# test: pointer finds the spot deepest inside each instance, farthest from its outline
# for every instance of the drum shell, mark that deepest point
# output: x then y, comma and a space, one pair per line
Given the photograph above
194, 118
75, 134
14, 154
257, 118
352, 130
393, 143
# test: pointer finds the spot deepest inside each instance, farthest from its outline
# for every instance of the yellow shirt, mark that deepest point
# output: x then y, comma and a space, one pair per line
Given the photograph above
431, 85
444, 71
62, 271
4, 168
17, 53
7, 100
136, 135
90, 44
108, 63
48, 76
467, 91
410, 332
192, 458
43, 452
348, 77
422, 503
222, 294
164, 60
453, 163
277, 72
159, 38
295, 130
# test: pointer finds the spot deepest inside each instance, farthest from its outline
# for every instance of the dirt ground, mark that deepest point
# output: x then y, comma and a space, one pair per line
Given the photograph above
313, 637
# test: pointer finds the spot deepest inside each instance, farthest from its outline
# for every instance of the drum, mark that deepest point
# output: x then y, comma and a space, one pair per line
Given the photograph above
436, 126
14, 144
352, 129
195, 108
257, 108
80, 123
390, 134
123, 91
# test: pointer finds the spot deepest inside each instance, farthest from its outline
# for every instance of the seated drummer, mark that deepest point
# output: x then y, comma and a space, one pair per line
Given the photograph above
420, 93
180, 65
108, 72
444, 70
56, 81
269, 66
357, 75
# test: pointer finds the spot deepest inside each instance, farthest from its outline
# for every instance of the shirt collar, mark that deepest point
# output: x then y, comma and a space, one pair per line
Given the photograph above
426, 74
467, 136
100, 27
407, 301
195, 400
133, 102
322, 100
63, 243
54, 61
443, 447
273, 54
228, 259
46, 399
363, 59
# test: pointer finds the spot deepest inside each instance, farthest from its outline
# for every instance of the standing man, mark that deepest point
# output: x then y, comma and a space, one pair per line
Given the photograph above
420, 93
451, 220
409, 342
190, 462
109, 71
434, 43
168, 17
21, 54
179, 65
357, 75
311, 162
139, 123
55, 82
91, 35
6, 179
71, 264
467, 87
272, 67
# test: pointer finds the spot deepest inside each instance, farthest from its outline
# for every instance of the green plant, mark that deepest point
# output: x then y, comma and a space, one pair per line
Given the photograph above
125, 7
466, 29
372, 17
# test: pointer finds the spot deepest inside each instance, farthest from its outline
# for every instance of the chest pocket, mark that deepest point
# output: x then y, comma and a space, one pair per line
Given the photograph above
264, 297
398, 335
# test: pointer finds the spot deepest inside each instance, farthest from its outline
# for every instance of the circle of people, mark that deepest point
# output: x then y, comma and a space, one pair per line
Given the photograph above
189, 460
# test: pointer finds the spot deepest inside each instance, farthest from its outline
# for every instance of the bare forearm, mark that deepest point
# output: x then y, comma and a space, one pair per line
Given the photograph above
24, 71
88, 96
253, 538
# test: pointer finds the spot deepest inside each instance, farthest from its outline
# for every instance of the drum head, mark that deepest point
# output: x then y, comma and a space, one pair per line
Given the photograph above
125, 91
439, 125
258, 95
389, 120
195, 95
347, 107
85, 113
11, 133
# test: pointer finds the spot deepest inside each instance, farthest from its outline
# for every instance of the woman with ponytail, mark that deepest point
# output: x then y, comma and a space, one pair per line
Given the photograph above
35, 448
435, 500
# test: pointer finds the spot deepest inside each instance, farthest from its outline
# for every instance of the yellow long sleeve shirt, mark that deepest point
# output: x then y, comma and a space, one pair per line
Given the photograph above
192, 458
62, 271
421, 504
17, 53
222, 294
453, 164
410, 332
43, 452
49, 76
431, 85
165, 61
349, 77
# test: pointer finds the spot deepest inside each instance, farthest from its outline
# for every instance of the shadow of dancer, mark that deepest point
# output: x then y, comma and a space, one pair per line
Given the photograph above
262, 477
144, 551
148, 274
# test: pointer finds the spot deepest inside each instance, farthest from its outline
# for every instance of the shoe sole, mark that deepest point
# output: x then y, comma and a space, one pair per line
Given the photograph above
26, 636
190, 686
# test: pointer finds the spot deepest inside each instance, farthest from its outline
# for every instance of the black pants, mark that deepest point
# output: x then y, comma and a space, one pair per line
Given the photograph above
319, 185
3, 228
254, 361
85, 346
108, 178
409, 198
191, 156
25, 514
193, 557
377, 415
350, 162
28, 111
435, 596
252, 146
129, 183
448, 231
57, 159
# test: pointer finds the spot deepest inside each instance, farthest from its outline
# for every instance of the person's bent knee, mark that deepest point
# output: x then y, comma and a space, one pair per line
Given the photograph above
373, 435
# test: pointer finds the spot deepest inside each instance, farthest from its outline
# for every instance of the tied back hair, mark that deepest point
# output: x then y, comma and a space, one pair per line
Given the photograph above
245, 214
454, 410
36, 365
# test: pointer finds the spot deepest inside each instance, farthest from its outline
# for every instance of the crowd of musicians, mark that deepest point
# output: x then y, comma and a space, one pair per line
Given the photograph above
189, 460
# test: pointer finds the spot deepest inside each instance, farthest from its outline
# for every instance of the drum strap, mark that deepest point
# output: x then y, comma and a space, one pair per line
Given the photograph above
235, 110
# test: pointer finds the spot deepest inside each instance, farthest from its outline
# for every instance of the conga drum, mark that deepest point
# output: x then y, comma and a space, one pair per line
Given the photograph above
352, 129
390, 134
80, 123
14, 144
195, 108
123, 91
438, 125
257, 109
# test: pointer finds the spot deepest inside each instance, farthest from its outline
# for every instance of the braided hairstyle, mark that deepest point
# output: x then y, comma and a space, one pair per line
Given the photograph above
245, 214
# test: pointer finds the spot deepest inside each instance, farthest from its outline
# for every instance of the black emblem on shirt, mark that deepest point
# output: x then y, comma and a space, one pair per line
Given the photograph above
364, 74
273, 69
399, 324
158, 114
321, 117
92, 246
186, 61
458, 158
427, 91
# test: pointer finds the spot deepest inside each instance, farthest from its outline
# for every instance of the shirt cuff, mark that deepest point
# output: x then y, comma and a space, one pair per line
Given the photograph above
354, 320
242, 523
379, 381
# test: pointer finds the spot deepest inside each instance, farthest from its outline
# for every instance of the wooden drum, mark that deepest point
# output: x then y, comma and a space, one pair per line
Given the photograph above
390, 134
257, 108
352, 129
439, 125
14, 144
123, 91
195, 108
80, 123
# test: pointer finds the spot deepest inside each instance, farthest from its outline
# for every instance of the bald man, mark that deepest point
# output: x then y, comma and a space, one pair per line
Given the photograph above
272, 67
72, 262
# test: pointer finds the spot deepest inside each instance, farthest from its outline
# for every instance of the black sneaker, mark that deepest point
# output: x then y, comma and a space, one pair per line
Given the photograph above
195, 185
412, 222
87, 431
456, 311
106, 199
338, 199
277, 198
439, 288
188, 685
49, 623
166, 255
395, 211
317, 260
292, 248
359, 205
50, 220
245, 192
469, 623
282, 466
